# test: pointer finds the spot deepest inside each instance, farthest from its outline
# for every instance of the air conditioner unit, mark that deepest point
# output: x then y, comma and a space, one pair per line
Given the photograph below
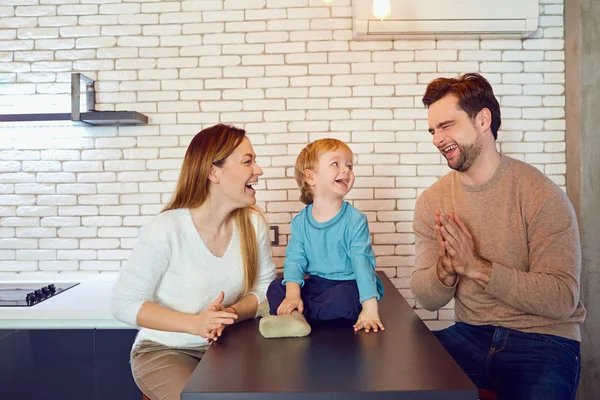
443, 19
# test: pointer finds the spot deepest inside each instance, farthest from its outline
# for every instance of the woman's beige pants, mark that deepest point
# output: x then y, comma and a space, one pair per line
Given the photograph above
160, 371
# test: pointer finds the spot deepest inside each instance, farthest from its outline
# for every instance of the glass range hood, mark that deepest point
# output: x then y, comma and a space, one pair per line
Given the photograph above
87, 117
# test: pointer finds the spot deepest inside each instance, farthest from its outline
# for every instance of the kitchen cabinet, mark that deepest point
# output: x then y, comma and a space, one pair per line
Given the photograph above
113, 371
66, 364
68, 346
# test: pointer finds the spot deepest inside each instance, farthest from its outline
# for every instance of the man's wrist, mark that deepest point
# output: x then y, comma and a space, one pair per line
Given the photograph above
481, 270
444, 276
449, 280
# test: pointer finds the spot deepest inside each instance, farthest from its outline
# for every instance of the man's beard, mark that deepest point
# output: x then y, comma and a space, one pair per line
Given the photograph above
467, 156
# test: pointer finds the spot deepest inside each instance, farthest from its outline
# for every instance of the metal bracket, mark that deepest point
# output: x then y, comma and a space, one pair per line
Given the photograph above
90, 95
89, 116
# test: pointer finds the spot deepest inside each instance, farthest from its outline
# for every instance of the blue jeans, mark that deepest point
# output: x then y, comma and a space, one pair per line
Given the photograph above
515, 365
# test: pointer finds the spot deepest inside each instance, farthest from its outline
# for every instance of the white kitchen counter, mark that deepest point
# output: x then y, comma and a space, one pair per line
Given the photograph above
85, 306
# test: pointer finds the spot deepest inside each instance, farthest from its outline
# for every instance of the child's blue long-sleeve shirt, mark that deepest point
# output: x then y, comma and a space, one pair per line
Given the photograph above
338, 249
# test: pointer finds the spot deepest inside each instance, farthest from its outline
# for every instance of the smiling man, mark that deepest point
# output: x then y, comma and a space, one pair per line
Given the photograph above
501, 239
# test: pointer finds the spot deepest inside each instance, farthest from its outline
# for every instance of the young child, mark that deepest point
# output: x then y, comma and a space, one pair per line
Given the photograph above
330, 242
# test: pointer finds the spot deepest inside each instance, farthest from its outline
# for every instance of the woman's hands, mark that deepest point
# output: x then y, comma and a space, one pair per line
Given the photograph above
215, 334
210, 323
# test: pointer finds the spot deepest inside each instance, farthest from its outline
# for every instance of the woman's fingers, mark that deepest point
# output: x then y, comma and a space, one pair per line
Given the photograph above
218, 300
217, 322
220, 318
214, 331
224, 314
215, 307
210, 334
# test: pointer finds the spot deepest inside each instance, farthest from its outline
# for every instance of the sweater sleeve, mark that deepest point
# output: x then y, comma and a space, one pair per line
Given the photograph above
296, 261
266, 267
142, 272
551, 286
363, 261
425, 285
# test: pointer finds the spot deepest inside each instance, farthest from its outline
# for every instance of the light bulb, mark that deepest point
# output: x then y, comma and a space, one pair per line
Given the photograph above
382, 9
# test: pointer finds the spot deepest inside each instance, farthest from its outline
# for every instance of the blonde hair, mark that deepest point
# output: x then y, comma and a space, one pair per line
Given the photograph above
309, 159
209, 147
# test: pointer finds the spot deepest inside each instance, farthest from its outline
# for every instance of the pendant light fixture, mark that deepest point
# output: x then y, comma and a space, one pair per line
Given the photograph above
382, 9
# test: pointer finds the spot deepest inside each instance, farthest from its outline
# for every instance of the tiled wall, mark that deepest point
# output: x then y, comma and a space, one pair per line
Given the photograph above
288, 71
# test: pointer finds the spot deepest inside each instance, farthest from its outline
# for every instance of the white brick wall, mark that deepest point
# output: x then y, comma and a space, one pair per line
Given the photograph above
73, 198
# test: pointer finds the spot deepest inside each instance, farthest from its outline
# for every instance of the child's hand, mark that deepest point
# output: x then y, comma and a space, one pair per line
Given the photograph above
369, 317
368, 322
289, 304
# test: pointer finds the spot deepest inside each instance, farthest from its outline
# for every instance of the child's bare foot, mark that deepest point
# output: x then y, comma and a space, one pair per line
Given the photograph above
279, 326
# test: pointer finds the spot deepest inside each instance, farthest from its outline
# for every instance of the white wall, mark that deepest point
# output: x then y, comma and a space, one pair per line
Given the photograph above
72, 198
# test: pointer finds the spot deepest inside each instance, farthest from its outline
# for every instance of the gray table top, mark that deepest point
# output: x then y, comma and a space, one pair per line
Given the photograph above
403, 362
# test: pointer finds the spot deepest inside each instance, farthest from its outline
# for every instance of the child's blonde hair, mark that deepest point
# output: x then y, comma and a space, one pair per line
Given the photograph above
309, 159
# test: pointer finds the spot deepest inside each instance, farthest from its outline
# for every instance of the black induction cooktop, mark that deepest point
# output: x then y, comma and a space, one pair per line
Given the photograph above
30, 294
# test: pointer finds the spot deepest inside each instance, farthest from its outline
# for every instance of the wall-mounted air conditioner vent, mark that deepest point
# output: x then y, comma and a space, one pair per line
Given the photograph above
441, 19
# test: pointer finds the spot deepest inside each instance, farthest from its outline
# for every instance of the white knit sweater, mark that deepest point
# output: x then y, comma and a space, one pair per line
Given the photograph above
171, 266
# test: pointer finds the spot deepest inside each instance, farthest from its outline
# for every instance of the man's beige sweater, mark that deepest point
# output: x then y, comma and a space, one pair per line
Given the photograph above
526, 227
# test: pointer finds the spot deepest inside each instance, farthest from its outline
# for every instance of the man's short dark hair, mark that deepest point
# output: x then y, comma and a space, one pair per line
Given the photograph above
473, 92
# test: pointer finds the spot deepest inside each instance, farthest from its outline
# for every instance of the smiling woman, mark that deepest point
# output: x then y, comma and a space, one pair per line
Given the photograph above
201, 265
